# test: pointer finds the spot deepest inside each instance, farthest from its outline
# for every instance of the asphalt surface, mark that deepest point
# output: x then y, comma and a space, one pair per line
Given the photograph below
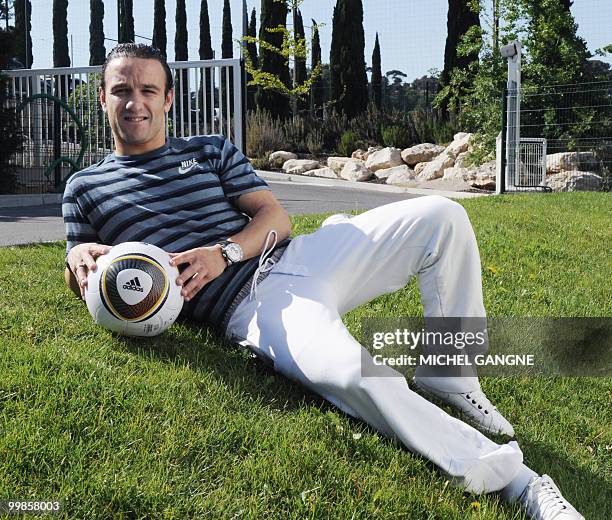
33, 224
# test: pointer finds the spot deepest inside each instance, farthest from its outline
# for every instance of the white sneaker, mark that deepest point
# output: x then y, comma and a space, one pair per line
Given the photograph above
543, 501
473, 404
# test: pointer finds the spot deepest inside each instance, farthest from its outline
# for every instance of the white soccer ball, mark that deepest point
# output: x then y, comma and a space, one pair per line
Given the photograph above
133, 291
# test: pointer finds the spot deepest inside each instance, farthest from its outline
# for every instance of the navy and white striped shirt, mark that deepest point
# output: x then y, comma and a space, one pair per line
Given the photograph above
177, 197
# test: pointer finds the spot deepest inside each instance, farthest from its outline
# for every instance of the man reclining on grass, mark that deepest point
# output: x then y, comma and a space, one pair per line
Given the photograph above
190, 197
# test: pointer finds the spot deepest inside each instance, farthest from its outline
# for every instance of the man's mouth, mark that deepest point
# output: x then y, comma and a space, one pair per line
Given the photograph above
135, 119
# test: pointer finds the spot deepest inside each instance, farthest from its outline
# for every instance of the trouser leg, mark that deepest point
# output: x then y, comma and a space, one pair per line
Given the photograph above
294, 323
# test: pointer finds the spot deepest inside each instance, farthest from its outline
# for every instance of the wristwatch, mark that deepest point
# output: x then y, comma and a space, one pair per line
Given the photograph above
231, 252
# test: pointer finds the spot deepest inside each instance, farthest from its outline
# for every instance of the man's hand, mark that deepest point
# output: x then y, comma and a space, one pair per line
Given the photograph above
205, 264
82, 259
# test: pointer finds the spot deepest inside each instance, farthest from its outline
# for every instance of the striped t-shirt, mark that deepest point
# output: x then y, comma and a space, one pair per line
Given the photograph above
177, 197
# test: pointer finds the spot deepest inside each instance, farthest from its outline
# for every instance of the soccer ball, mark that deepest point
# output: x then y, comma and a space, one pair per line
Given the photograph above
133, 290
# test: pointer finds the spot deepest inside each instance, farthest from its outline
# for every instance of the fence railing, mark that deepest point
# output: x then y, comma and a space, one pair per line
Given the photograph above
574, 124
207, 100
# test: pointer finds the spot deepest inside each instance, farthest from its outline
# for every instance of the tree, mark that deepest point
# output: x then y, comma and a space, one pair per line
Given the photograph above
206, 52
160, 40
61, 58
462, 17
376, 75
126, 21
252, 52
6, 6
97, 51
349, 82
227, 47
300, 63
317, 86
271, 62
181, 53
23, 30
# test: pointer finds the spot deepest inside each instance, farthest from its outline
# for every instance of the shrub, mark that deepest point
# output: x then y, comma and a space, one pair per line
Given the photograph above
332, 128
348, 143
296, 130
11, 138
431, 127
314, 141
397, 136
264, 134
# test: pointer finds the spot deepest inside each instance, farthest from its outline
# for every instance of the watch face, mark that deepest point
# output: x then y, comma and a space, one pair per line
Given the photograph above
233, 252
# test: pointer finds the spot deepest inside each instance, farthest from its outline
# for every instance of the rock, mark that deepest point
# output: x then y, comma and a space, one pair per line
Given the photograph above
402, 171
326, 173
300, 165
461, 160
277, 159
424, 152
573, 181
420, 167
459, 145
400, 175
355, 170
337, 163
571, 161
456, 173
385, 158
484, 184
435, 169
359, 154
486, 170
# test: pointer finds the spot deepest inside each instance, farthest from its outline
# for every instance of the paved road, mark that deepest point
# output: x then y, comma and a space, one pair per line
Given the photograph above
26, 225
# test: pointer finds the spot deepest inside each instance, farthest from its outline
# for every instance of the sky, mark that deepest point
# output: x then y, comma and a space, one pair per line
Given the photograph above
412, 33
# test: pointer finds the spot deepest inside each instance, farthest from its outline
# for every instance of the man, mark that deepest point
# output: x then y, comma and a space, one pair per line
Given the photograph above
190, 197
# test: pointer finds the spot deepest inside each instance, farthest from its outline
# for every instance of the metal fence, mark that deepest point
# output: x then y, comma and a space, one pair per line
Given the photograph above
573, 126
61, 137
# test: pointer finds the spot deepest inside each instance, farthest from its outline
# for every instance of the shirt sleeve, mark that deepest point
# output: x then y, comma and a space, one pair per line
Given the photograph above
78, 227
236, 172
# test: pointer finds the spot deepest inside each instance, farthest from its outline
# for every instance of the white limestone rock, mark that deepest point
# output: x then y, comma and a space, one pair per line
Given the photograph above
385, 158
300, 166
337, 163
277, 159
423, 152
403, 171
355, 170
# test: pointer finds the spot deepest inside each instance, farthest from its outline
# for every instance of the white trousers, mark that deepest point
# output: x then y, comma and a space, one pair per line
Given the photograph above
295, 321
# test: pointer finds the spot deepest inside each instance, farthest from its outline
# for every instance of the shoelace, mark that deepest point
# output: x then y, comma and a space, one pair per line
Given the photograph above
549, 503
265, 263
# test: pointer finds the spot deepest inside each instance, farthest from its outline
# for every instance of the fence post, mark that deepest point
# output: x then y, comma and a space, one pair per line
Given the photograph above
504, 119
238, 107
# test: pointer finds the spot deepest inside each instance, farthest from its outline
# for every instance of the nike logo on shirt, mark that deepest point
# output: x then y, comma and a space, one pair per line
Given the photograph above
187, 166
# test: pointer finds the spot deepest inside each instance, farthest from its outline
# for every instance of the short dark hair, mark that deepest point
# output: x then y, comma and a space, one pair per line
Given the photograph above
138, 50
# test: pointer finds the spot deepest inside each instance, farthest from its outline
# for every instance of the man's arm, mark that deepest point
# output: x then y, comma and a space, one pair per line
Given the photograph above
207, 263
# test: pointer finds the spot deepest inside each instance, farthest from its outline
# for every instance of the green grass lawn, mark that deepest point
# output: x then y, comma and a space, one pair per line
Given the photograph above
185, 426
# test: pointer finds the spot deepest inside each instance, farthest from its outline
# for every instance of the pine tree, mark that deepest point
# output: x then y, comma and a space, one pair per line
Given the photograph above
252, 52
126, 21
23, 30
97, 51
273, 14
300, 63
460, 19
317, 86
349, 81
160, 39
376, 75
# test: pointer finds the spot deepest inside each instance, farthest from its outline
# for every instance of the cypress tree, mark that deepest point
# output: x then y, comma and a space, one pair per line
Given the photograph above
181, 54
300, 63
252, 52
23, 32
460, 19
97, 51
61, 57
376, 75
349, 82
126, 21
317, 86
273, 14
206, 52
227, 47
160, 40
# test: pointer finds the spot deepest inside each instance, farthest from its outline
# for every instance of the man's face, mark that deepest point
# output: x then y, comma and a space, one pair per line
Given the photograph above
135, 104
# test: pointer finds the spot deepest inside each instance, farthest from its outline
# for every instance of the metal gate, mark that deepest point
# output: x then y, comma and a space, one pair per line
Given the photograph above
531, 171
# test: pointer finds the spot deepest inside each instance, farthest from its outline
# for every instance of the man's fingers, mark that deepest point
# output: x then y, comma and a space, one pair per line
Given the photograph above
194, 285
88, 261
181, 258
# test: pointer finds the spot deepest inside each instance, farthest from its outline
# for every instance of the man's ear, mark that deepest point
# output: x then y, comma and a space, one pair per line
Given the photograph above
102, 97
169, 100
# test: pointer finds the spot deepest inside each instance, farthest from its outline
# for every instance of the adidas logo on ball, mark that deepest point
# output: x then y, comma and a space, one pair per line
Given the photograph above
133, 285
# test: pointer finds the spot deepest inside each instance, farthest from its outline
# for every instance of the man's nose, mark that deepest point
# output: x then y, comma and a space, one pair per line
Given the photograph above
133, 102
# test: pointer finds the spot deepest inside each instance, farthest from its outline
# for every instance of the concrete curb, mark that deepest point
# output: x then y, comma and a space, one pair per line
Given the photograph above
37, 199
320, 181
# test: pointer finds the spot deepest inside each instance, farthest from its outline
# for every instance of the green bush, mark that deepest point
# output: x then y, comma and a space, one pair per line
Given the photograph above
314, 141
264, 134
348, 143
296, 130
396, 136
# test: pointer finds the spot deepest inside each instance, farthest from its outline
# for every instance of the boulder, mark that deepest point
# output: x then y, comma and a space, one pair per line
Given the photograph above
483, 184
300, 165
337, 163
401, 175
459, 145
326, 173
456, 173
424, 152
435, 169
573, 181
277, 159
402, 171
420, 167
460, 161
355, 170
385, 158
571, 161
359, 154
